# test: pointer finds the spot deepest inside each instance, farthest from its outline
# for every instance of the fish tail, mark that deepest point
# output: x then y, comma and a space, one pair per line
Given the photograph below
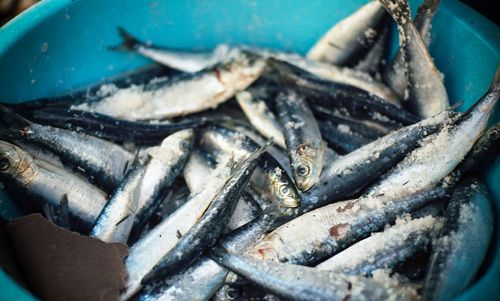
11, 124
129, 42
399, 10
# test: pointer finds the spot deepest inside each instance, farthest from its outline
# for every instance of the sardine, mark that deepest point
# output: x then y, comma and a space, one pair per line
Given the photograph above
186, 61
341, 138
385, 250
427, 93
394, 73
117, 217
185, 95
294, 282
209, 227
102, 161
303, 139
463, 242
117, 130
166, 163
150, 249
375, 58
261, 117
350, 39
50, 183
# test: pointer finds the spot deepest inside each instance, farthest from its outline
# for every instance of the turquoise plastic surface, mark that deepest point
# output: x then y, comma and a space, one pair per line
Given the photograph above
59, 45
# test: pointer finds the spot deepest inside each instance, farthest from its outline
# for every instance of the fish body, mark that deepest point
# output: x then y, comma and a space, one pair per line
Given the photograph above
187, 94
375, 58
294, 282
102, 161
210, 226
350, 39
386, 249
117, 217
462, 244
394, 72
51, 183
303, 139
427, 93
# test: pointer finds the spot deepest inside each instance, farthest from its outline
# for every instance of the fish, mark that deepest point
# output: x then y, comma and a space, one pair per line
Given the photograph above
205, 276
375, 58
166, 163
184, 95
466, 234
294, 282
351, 38
353, 101
448, 147
271, 180
386, 249
117, 217
51, 184
261, 117
117, 130
351, 173
103, 162
210, 226
303, 138
148, 251
394, 73
182, 60
321, 233
426, 91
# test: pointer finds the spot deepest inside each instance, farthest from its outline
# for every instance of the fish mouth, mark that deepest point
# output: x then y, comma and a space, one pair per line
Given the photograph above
290, 202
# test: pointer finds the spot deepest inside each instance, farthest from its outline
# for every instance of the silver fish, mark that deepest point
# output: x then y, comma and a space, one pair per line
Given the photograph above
185, 95
50, 183
294, 282
116, 219
303, 138
427, 93
350, 38
394, 72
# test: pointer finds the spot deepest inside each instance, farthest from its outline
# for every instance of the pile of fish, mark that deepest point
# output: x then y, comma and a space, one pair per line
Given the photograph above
332, 176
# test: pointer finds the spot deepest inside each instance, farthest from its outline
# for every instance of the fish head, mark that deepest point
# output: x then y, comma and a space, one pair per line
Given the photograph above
283, 191
16, 163
306, 170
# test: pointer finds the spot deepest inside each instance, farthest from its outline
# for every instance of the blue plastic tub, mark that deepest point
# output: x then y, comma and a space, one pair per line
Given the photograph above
59, 45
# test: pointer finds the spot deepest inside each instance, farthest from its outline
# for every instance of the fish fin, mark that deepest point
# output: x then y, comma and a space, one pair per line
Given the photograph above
129, 42
399, 10
429, 5
12, 124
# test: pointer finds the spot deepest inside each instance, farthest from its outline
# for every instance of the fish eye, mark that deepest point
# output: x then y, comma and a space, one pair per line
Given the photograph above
231, 293
4, 164
284, 190
303, 170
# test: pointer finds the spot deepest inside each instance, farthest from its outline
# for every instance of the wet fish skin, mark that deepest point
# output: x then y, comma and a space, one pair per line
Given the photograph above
51, 183
375, 58
210, 226
294, 282
184, 95
462, 245
386, 249
341, 138
323, 232
117, 217
394, 74
303, 139
117, 130
351, 173
102, 161
356, 102
205, 276
427, 93
351, 38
